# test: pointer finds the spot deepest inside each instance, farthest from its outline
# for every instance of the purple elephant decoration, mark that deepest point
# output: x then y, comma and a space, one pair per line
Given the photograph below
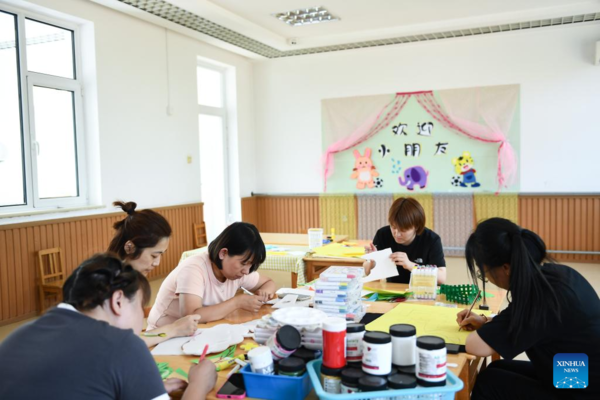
414, 176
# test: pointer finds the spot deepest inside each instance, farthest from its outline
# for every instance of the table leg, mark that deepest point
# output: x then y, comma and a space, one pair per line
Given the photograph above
465, 393
294, 280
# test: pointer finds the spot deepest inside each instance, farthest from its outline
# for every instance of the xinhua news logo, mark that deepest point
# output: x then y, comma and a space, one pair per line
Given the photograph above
571, 371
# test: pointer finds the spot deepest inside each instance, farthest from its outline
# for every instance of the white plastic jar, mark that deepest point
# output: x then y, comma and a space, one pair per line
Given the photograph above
354, 337
261, 360
404, 345
431, 361
377, 353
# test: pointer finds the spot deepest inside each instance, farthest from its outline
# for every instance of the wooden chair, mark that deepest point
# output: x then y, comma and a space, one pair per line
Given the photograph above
200, 235
52, 275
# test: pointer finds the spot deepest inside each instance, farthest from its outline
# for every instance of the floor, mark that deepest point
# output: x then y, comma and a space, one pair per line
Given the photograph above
457, 274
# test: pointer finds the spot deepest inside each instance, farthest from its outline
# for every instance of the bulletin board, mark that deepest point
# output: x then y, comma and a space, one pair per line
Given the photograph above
447, 141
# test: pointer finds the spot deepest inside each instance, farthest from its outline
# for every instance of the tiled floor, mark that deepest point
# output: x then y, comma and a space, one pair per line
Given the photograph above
457, 274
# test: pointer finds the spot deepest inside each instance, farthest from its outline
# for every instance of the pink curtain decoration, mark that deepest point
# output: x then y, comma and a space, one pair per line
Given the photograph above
486, 114
375, 123
483, 114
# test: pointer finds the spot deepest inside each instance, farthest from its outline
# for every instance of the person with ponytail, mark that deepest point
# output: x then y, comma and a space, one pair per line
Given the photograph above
552, 309
141, 238
88, 347
207, 283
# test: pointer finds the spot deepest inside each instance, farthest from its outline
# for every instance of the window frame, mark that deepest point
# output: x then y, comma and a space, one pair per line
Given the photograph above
220, 112
26, 81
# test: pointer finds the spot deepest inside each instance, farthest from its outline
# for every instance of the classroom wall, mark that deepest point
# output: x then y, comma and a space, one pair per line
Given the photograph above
559, 100
142, 150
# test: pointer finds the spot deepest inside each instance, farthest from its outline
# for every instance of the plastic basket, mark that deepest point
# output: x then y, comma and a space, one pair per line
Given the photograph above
275, 387
453, 385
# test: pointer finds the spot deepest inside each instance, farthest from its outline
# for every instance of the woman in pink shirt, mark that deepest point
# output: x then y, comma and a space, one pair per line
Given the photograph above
207, 283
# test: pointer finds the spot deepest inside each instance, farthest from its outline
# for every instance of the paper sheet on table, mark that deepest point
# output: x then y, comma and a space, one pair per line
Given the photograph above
429, 320
172, 347
384, 267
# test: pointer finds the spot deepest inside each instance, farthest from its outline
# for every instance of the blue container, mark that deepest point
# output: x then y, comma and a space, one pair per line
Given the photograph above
453, 385
275, 387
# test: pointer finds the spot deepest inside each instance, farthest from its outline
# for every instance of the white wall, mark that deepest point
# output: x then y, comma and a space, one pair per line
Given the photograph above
142, 150
560, 100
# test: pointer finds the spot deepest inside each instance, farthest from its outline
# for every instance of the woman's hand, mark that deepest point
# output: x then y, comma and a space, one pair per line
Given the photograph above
400, 258
370, 248
174, 384
185, 326
368, 266
202, 378
249, 303
472, 322
265, 294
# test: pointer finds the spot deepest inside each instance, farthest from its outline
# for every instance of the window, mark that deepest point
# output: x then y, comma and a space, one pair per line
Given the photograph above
41, 128
212, 122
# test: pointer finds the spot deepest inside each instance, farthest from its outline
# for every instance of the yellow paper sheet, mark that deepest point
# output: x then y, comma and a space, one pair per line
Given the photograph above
429, 320
339, 250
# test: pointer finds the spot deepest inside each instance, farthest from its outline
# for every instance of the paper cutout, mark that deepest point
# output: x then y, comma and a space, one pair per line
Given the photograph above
218, 338
441, 148
412, 149
383, 150
287, 301
384, 266
414, 176
429, 320
182, 373
172, 347
400, 129
463, 165
378, 182
424, 129
164, 370
364, 171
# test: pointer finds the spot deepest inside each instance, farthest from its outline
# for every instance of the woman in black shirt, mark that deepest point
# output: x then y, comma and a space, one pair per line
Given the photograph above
553, 310
412, 244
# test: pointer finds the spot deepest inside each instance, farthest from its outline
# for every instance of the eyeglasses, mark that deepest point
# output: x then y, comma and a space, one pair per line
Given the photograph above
480, 277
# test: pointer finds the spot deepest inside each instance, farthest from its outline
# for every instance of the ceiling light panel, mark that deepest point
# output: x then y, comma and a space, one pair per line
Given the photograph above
306, 16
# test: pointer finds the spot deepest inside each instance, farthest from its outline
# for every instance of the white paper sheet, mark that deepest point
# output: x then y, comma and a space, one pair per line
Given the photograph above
384, 267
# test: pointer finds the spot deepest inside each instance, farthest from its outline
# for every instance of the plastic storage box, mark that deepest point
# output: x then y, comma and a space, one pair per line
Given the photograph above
453, 385
276, 387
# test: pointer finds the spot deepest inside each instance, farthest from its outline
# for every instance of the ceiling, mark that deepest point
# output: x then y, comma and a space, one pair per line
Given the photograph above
249, 27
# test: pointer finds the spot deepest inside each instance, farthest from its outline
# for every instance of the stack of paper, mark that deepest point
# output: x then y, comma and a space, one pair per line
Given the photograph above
339, 250
338, 293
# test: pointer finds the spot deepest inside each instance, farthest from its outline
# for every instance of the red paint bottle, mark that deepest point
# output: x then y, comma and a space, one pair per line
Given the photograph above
334, 342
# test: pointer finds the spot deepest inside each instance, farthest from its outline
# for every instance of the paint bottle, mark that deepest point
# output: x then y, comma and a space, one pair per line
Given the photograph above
350, 377
331, 379
284, 342
377, 353
334, 342
307, 355
402, 381
370, 383
261, 360
431, 361
354, 336
404, 345
291, 366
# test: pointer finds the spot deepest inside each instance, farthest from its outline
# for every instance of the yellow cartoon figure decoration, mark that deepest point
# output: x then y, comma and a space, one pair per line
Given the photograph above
464, 166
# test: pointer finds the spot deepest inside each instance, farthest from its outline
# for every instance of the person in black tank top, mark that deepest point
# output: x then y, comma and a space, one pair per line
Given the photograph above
411, 242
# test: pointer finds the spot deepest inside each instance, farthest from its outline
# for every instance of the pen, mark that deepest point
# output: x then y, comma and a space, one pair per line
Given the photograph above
246, 291
470, 308
154, 334
233, 371
203, 353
